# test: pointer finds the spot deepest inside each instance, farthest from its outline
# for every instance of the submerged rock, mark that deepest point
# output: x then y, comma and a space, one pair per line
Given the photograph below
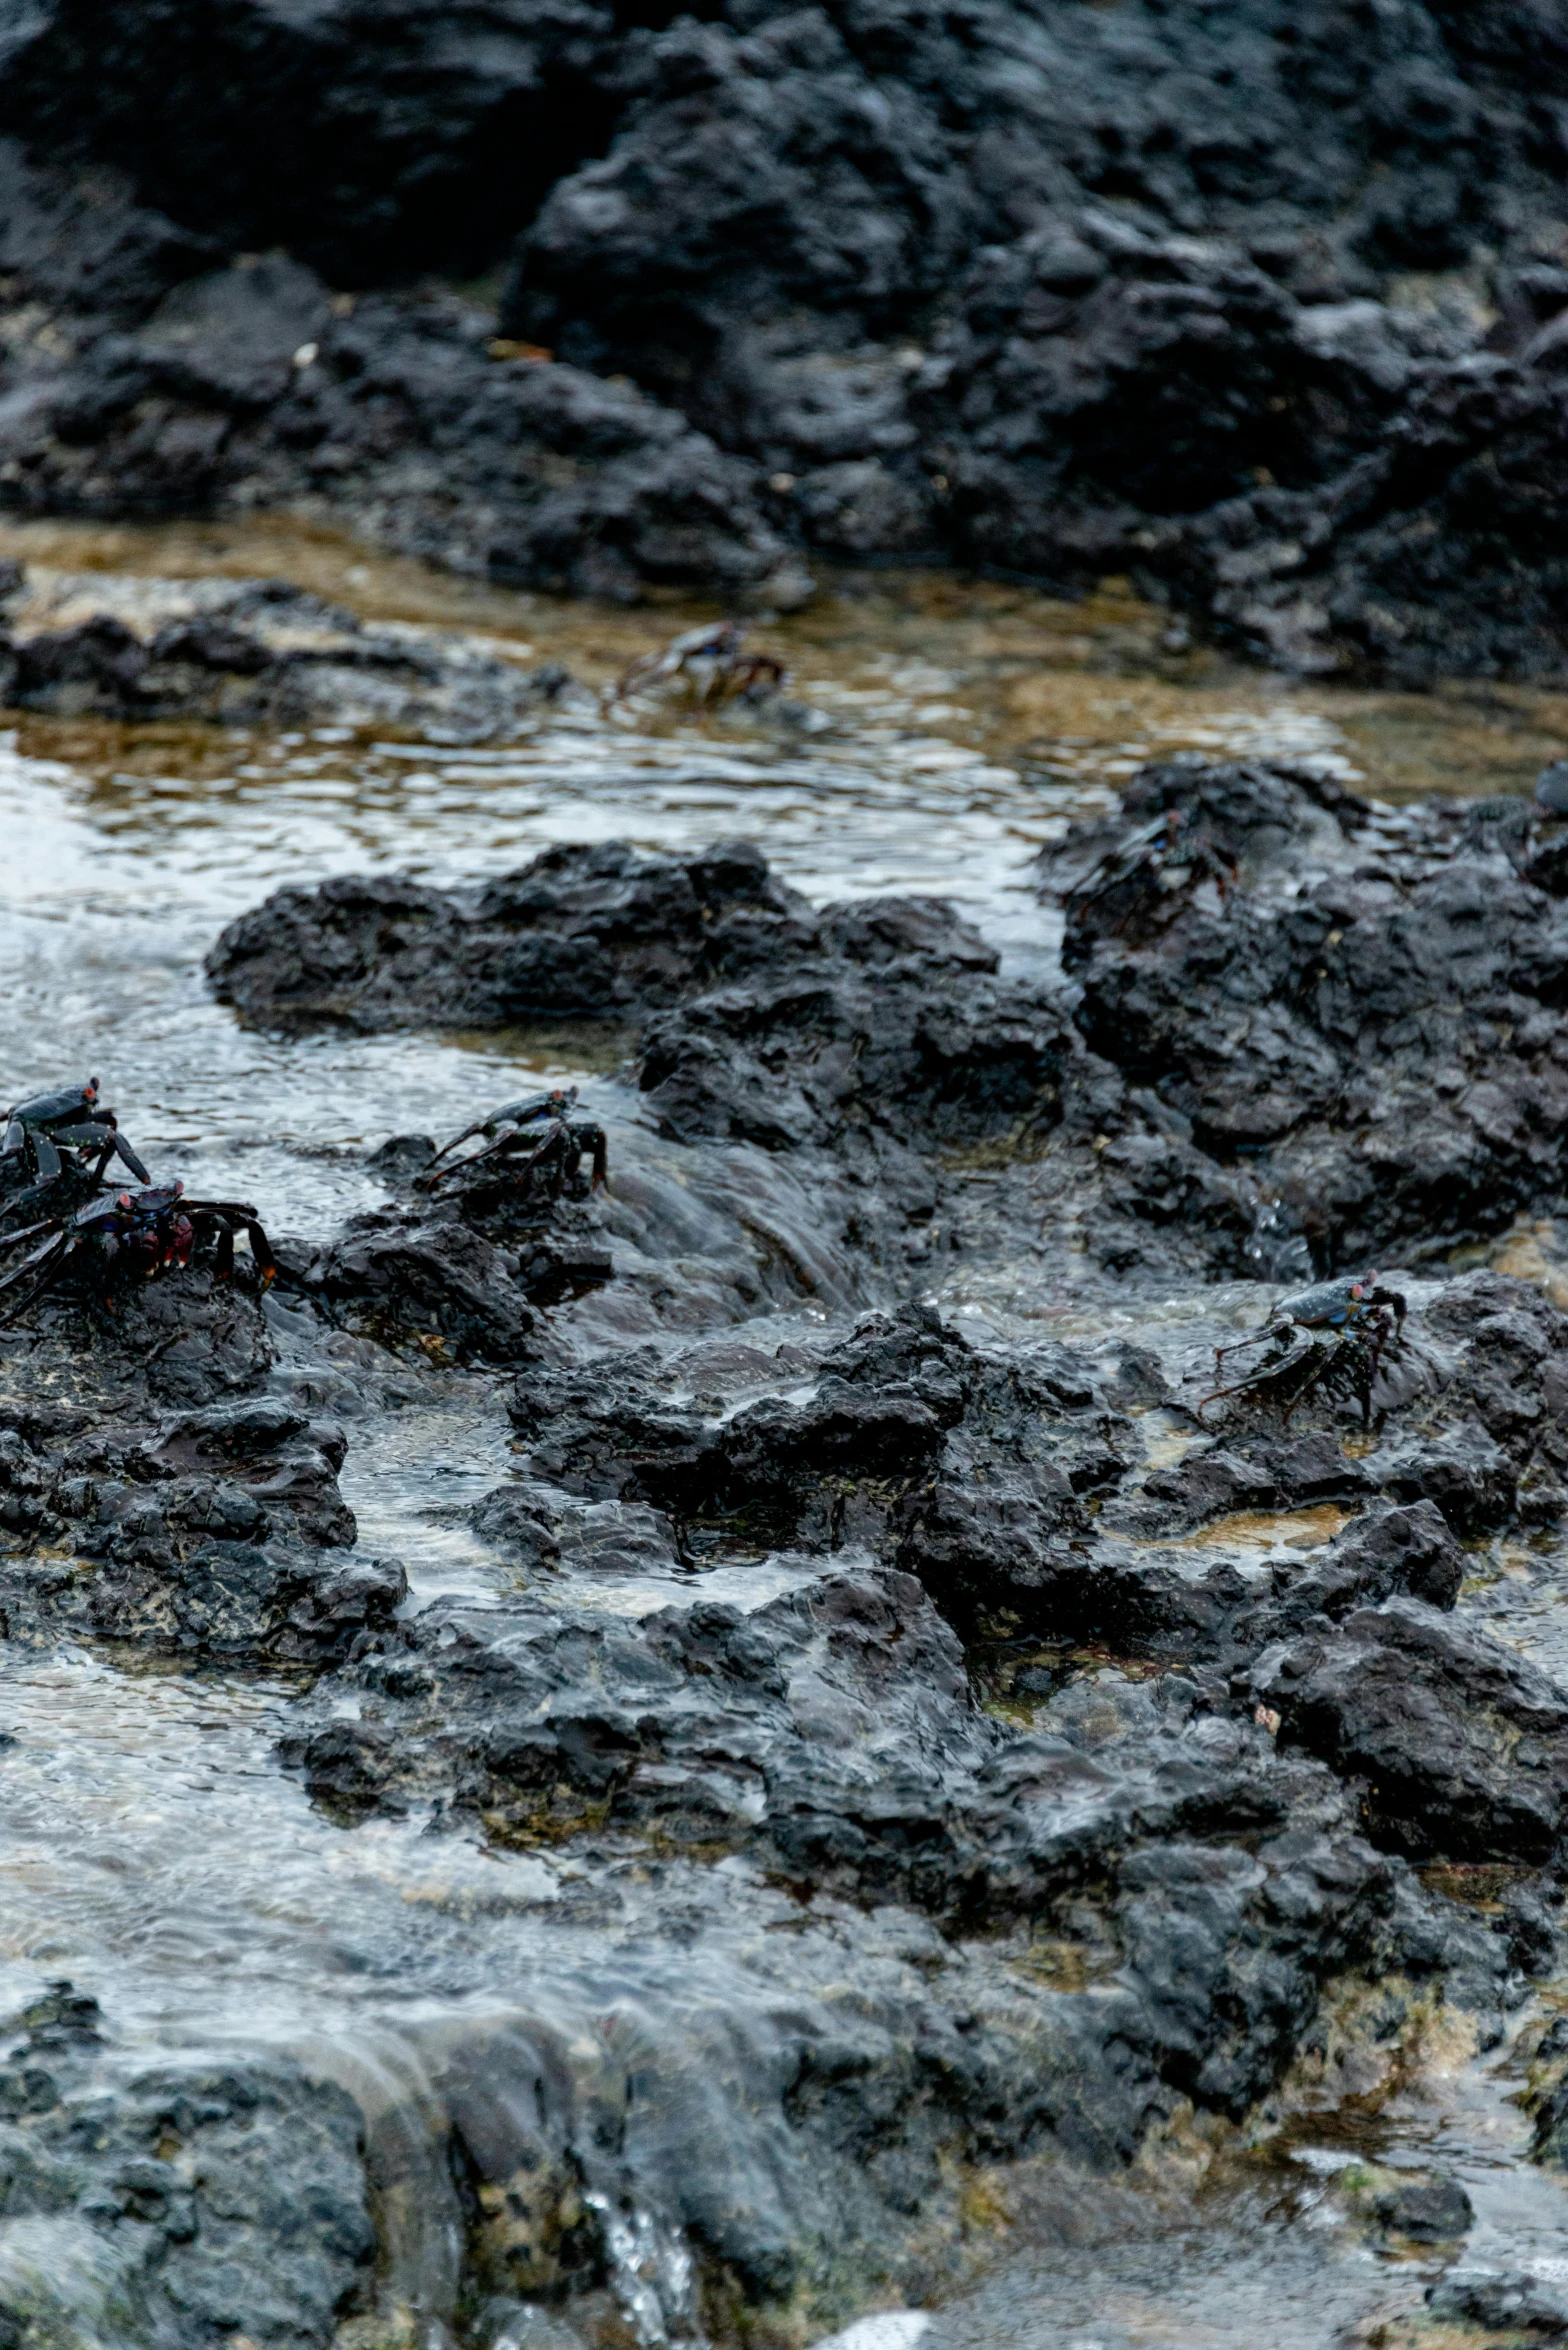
1015, 1484
1060, 1738
1078, 1904
1308, 1032
176, 2198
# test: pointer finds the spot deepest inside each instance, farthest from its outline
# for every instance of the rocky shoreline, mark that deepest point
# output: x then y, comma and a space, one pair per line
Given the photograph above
1259, 305
1077, 1758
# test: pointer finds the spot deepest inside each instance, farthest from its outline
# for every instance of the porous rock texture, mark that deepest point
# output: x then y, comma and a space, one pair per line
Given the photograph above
1260, 302
1299, 1031
1076, 1743
1361, 1006
1122, 1891
176, 2199
156, 1486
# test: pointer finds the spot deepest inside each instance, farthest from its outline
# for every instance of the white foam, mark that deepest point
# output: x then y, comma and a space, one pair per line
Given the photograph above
891, 2329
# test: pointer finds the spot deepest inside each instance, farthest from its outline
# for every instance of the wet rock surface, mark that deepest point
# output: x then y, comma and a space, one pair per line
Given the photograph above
175, 2200
1457, 1744
1533, 2306
907, 1743
1355, 1008
251, 653
213, 1529
601, 931
1302, 1031
1262, 306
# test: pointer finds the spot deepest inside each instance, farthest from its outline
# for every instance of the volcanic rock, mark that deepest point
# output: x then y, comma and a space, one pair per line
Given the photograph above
1370, 1019
249, 653
146, 377
1263, 307
176, 2192
199, 1531
1460, 1747
1502, 2301
598, 930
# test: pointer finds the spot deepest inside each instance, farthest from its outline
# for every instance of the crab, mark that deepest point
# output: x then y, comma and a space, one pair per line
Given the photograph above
128, 1237
531, 1148
1330, 1337
709, 660
36, 1132
1142, 874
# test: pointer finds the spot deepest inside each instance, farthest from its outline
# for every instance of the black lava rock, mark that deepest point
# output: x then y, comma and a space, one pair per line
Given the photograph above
1054, 292
1362, 1011
1460, 1746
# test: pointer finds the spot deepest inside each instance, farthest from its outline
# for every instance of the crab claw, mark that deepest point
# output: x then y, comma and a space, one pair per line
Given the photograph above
124, 1151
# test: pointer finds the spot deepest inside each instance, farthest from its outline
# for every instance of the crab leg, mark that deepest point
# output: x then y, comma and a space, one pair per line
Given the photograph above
1327, 1357
480, 1126
1253, 1338
36, 1256
49, 1260
1264, 1374
261, 1251
592, 1138
27, 1231
502, 1143
1383, 1336
122, 1150
512, 1115
221, 1216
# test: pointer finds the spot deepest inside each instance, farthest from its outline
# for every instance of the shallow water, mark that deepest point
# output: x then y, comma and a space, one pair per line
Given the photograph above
150, 1847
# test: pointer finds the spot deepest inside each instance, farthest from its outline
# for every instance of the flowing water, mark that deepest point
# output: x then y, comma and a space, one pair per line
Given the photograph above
150, 1846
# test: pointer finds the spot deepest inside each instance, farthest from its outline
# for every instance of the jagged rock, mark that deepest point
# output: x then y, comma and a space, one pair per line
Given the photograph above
1459, 1745
1509, 2302
895, 1023
143, 376
442, 1282
1383, 1554
223, 1601
1371, 1020
1067, 297
181, 2196
602, 930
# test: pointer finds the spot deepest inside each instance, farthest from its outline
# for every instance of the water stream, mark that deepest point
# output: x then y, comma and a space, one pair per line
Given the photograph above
151, 1848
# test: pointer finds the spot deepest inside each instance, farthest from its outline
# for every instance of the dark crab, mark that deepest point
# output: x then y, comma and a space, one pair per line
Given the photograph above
1136, 884
128, 1238
710, 661
1329, 1339
39, 1130
532, 1149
